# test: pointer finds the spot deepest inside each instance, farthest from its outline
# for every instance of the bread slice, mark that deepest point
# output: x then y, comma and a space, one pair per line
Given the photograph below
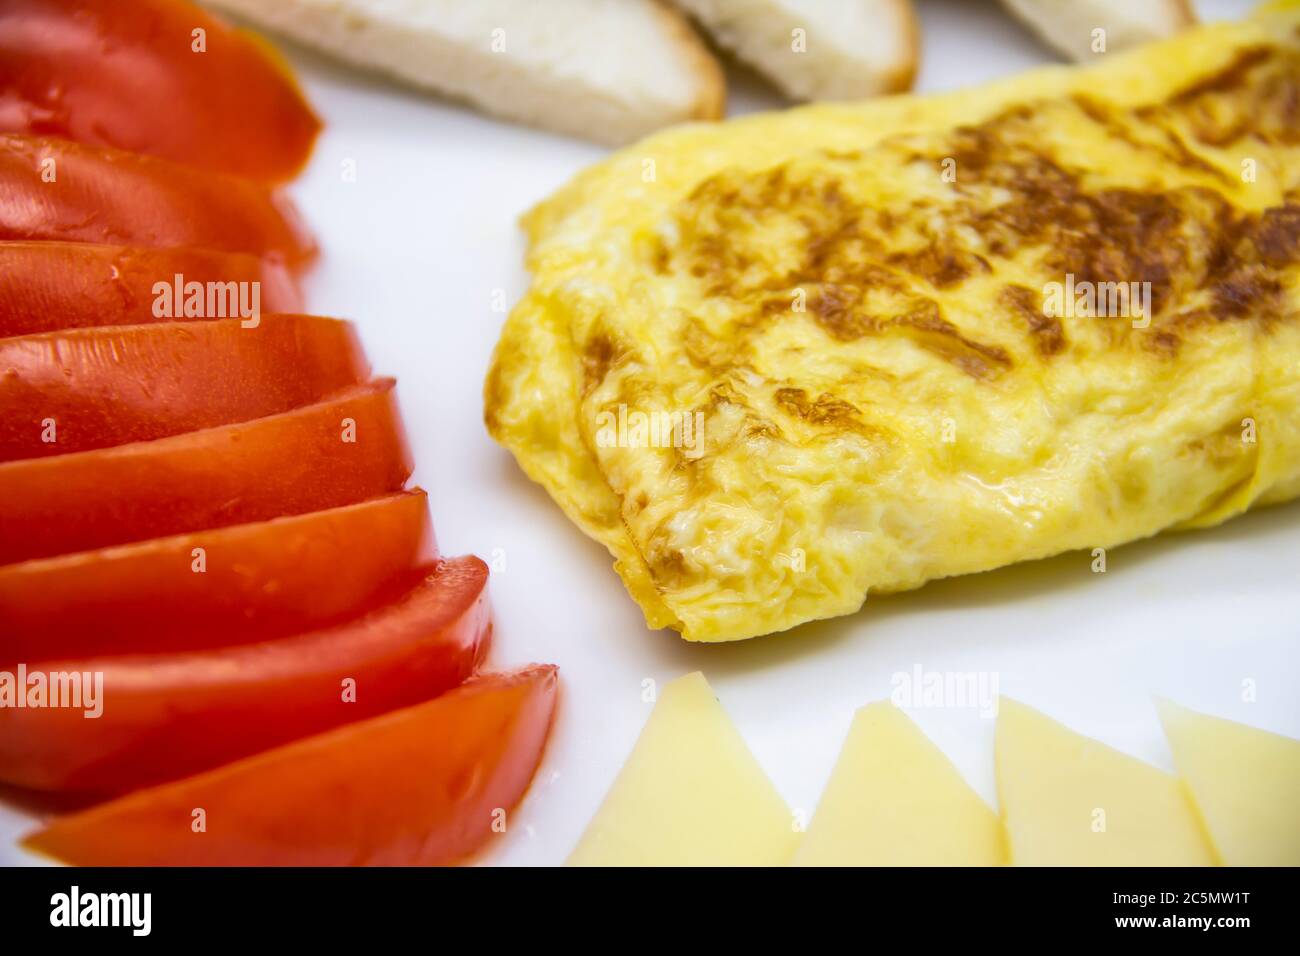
606, 70
848, 49
1069, 25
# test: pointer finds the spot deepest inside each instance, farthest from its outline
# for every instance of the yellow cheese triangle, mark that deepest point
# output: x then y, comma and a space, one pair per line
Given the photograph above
894, 799
1244, 782
1068, 800
691, 794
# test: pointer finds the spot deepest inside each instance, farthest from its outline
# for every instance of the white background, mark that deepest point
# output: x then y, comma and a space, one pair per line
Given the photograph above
413, 250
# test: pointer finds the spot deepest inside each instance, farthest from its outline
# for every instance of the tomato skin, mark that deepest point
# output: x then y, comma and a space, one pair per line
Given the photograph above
112, 386
47, 286
285, 464
259, 581
84, 70
103, 195
417, 786
167, 716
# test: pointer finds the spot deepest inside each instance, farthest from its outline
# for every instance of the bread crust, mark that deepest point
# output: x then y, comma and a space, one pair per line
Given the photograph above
1178, 15
1183, 12
892, 73
711, 101
902, 77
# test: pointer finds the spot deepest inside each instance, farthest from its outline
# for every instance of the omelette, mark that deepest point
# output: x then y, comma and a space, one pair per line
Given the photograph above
784, 362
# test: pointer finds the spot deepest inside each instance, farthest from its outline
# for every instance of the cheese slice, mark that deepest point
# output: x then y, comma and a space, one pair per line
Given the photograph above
894, 799
1244, 782
1068, 800
691, 794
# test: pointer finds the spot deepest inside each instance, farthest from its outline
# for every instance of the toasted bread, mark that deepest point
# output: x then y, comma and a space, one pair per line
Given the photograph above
1070, 26
606, 70
813, 50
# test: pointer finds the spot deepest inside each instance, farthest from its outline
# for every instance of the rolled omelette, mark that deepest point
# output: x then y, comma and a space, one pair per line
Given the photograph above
784, 362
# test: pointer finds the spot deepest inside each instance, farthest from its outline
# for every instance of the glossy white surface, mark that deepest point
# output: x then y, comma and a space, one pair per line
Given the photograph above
414, 250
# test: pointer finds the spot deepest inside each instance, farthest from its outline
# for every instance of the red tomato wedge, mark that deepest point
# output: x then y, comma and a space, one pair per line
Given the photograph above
79, 389
164, 78
165, 717
339, 451
47, 286
54, 189
261, 580
420, 786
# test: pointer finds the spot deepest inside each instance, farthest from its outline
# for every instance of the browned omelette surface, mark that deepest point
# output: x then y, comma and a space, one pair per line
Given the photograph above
880, 344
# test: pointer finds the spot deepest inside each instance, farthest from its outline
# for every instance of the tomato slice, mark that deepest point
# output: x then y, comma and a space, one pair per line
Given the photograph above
47, 286
339, 451
420, 786
258, 581
164, 717
55, 189
84, 70
80, 389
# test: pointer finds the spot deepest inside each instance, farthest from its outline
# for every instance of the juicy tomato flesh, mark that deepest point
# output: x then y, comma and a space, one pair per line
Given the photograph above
419, 786
59, 190
247, 582
339, 451
48, 286
81, 389
170, 716
166, 79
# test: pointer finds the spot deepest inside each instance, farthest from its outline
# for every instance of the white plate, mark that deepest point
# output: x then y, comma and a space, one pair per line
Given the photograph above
414, 250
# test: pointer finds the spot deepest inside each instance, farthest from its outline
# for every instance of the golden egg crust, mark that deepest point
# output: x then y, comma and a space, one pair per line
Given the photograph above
859, 306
